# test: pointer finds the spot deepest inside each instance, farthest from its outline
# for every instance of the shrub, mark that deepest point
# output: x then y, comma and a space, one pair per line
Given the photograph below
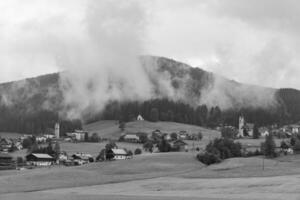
225, 148
268, 147
208, 158
138, 151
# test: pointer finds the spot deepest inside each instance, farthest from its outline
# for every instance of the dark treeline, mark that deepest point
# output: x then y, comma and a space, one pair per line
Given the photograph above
13, 119
167, 110
161, 110
16, 119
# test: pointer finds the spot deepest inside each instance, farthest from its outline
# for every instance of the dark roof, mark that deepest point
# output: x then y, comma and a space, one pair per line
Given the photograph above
179, 142
3, 155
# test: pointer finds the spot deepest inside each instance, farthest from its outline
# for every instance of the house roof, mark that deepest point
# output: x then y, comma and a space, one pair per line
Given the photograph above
180, 142
3, 155
131, 137
42, 155
119, 151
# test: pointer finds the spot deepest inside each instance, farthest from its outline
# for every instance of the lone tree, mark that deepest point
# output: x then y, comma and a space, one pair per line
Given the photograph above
148, 146
229, 133
256, 133
268, 147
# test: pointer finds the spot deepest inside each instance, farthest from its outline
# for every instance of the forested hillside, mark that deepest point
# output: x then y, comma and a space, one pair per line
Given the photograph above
198, 97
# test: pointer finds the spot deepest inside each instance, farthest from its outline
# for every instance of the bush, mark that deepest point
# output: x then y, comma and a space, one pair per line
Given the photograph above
208, 158
268, 147
225, 148
138, 151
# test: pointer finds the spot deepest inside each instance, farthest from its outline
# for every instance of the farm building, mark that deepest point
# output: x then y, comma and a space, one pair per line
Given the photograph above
6, 161
82, 158
40, 159
180, 145
131, 138
117, 154
78, 135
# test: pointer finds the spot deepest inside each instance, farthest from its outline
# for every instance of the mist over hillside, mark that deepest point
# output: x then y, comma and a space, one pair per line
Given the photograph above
164, 79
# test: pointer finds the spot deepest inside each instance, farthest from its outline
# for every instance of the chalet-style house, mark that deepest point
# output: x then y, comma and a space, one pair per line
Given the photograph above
77, 135
180, 145
40, 159
82, 158
131, 138
117, 154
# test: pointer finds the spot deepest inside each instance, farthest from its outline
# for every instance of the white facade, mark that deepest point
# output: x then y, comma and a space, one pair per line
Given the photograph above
56, 130
241, 126
140, 118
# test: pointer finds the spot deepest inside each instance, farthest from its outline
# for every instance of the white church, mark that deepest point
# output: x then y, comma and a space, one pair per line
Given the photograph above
245, 128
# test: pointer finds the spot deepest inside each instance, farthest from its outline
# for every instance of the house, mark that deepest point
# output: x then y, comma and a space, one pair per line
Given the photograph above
82, 158
264, 131
117, 154
183, 135
131, 138
180, 145
295, 128
78, 135
40, 159
6, 161
140, 118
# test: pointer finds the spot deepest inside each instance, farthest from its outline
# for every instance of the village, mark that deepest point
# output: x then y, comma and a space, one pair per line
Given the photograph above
45, 150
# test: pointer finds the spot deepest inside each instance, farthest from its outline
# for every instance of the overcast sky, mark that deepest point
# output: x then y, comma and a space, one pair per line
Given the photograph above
251, 41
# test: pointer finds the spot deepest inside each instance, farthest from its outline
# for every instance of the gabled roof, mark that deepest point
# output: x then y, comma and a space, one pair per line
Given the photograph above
119, 151
179, 142
130, 136
42, 155
3, 155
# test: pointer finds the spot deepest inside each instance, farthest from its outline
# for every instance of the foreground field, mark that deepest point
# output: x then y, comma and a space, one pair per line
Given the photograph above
159, 176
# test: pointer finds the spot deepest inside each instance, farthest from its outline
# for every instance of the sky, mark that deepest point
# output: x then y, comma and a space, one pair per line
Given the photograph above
251, 41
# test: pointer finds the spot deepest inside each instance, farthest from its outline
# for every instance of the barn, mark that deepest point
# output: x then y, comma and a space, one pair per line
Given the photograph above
40, 159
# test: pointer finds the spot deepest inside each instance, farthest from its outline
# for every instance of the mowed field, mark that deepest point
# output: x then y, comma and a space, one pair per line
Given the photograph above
164, 176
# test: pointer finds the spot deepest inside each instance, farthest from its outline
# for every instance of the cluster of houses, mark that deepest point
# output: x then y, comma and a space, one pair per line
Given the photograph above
10, 144
246, 129
176, 140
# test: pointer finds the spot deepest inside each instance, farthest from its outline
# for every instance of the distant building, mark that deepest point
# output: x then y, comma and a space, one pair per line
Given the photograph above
241, 126
40, 159
56, 130
180, 145
131, 138
78, 135
245, 127
117, 154
140, 118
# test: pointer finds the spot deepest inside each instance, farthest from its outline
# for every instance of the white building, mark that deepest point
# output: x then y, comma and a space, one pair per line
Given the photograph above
140, 118
56, 130
119, 154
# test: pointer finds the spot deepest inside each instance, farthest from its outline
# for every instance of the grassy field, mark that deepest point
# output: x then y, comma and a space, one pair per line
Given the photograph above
94, 148
159, 176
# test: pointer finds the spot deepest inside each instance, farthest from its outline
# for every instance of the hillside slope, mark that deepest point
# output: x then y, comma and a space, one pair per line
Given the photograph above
110, 129
35, 104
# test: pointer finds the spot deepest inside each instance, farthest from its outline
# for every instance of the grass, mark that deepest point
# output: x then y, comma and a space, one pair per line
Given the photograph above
159, 176
94, 148
110, 129
140, 167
